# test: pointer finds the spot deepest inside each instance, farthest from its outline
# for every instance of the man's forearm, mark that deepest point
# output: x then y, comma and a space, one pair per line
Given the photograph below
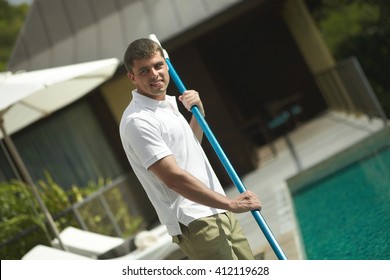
196, 129
193, 189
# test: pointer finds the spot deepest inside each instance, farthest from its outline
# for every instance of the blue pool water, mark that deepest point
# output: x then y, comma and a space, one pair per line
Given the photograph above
346, 215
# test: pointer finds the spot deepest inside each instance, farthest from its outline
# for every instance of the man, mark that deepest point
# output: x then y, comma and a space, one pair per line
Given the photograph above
165, 154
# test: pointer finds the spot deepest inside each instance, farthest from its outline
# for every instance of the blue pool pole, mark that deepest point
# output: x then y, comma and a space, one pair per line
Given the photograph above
223, 158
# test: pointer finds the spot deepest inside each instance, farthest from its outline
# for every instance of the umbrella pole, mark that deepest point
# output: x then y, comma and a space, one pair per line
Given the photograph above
16, 172
27, 178
223, 158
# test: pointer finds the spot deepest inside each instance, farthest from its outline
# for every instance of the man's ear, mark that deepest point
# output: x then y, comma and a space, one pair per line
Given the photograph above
131, 77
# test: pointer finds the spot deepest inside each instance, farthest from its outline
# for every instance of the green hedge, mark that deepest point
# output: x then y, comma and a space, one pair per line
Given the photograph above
22, 223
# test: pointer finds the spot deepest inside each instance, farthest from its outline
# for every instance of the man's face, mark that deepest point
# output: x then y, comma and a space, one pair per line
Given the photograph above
150, 76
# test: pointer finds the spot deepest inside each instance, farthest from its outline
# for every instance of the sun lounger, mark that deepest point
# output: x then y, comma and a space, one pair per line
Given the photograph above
86, 243
42, 252
147, 245
153, 244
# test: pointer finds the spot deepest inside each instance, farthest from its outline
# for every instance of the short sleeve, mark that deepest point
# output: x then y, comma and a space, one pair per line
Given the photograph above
145, 138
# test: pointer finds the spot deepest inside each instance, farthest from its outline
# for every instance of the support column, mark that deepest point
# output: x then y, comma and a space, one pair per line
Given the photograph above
316, 54
307, 36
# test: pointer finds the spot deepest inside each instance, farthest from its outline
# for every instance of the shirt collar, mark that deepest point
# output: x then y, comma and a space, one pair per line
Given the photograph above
152, 103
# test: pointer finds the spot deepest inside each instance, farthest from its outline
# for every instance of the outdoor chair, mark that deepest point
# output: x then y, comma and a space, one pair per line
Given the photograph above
146, 245
86, 243
43, 252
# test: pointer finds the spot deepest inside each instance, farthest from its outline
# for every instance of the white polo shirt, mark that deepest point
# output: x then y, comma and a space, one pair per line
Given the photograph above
151, 130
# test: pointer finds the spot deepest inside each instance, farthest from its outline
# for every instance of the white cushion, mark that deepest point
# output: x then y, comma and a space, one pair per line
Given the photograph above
42, 252
86, 243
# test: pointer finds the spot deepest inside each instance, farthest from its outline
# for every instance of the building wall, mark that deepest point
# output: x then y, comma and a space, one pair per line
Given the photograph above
117, 95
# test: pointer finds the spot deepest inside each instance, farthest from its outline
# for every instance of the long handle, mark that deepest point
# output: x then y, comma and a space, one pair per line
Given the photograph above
223, 158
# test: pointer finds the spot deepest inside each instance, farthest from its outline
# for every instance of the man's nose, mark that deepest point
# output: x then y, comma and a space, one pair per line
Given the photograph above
154, 72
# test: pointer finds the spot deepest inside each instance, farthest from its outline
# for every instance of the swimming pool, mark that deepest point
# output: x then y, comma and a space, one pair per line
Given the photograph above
343, 204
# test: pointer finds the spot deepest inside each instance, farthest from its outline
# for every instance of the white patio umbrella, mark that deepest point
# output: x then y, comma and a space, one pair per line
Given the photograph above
29, 96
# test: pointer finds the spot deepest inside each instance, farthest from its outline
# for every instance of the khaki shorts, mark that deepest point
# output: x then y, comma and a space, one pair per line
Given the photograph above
218, 237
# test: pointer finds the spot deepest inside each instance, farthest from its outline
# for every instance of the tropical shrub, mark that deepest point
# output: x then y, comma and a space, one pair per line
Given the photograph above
22, 223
